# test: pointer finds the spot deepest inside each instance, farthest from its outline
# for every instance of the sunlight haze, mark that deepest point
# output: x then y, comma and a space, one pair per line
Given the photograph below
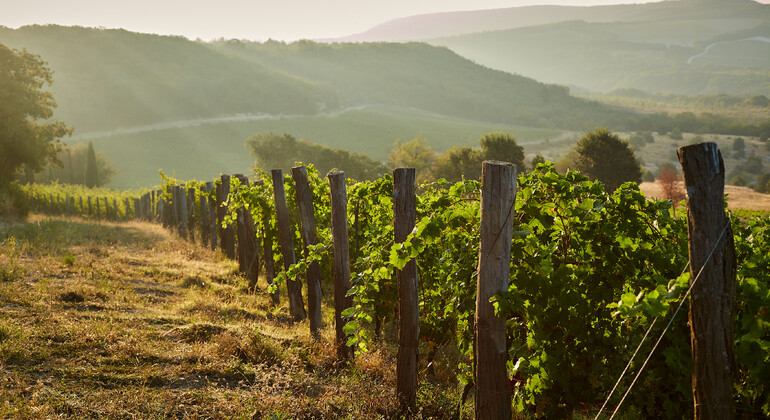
260, 20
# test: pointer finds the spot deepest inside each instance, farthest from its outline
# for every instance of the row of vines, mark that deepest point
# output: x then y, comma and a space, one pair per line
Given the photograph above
590, 271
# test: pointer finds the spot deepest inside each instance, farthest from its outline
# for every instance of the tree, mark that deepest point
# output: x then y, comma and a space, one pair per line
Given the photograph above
74, 159
412, 154
603, 156
26, 138
458, 163
670, 183
501, 146
91, 170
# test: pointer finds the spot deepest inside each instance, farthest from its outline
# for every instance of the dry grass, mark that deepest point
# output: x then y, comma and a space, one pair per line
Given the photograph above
738, 198
127, 321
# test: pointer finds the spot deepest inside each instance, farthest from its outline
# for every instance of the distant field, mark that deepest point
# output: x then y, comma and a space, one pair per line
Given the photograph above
738, 198
205, 151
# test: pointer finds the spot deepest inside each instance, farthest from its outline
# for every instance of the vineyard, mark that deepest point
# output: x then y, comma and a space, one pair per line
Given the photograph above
588, 274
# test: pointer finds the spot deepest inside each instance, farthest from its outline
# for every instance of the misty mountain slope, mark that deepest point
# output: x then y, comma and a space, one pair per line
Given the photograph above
607, 56
415, 75
436, 25
602, 48
108, 79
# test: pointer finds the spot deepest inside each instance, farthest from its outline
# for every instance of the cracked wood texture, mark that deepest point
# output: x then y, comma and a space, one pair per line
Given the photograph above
341, 243
307, 229
498, 193
713, 295
293, 286
404, 217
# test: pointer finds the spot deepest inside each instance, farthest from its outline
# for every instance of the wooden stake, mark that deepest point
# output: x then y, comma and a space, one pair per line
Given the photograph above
498, 193
711, 303
404, 216
307, 229
340, 241
293, 286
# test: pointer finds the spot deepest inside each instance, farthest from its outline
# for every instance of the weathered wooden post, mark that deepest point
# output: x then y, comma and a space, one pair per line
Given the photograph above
710, 235
191, 214
307, 229
116, 216
90, 209
293, 286
240, 230
80, 204
204, 212
498, 194
247, 243
180, 205
404, 216
341, 244
226, 234
213, 209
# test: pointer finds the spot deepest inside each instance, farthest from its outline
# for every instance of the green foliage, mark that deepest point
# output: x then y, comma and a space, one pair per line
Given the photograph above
739, 144
73, 159
458, 163
603, 156
26, 137
282, 152
502, 146
91, 170
576, 250
412, 154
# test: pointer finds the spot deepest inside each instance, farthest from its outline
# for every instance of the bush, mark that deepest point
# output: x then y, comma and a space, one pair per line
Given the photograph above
13, 202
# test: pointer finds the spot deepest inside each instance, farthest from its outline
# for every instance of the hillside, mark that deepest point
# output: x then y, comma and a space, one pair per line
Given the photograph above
690, 47
156, 102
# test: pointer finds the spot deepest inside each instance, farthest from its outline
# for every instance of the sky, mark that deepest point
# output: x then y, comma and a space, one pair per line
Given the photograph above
256, 20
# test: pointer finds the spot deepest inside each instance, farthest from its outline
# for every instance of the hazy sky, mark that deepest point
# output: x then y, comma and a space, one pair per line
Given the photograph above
244, 19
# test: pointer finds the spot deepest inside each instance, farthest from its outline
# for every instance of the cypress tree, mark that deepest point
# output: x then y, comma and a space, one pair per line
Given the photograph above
91, 171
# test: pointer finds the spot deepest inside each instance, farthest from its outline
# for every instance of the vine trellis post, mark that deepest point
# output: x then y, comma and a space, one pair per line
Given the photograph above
308, 233
293, 286
713, 296
341, 245
498, 194
404, 218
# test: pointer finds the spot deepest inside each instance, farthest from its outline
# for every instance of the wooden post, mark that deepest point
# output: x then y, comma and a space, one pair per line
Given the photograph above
90, 210
115, 215
247, 243
404, 215
340, 241
226, 234
240, 231
498, 194
307, 229
212, 216
293, 286
708, 230
180, 204
191, 214
204, 212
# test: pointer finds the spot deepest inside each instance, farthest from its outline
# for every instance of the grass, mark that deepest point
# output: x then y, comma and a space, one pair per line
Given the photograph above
126, 320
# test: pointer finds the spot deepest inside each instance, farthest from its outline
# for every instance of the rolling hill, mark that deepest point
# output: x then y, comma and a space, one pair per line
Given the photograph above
690, 47
156, 98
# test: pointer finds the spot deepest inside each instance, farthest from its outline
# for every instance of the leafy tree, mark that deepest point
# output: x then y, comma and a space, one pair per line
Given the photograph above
273, 151
739, 144
603, 156
412, 154
27, 138
675, 134
763, 183
670, 183
536, 160
501, 146
74, 159
458, 163
91, 169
